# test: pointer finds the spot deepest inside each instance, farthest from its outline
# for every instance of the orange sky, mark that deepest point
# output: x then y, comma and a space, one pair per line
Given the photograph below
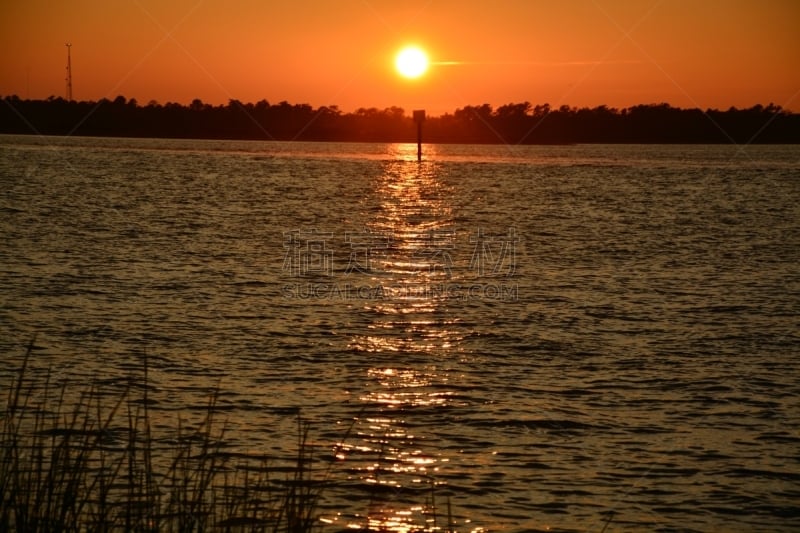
711, 53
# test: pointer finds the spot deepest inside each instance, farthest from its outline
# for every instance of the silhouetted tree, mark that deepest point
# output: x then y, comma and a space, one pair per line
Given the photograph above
509, 123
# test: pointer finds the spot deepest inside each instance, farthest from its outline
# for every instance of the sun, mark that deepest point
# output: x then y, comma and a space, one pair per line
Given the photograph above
411, 62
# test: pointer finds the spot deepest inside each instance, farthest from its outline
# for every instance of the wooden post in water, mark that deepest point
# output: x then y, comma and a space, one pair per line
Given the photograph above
419, 117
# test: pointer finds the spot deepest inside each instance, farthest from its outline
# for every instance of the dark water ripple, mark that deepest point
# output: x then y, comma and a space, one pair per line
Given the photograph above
644, 377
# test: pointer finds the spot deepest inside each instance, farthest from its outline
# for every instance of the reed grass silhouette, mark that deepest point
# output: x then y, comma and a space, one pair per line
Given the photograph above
75, 468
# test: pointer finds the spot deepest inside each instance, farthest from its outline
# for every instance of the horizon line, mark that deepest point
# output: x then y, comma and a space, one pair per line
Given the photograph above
553, 107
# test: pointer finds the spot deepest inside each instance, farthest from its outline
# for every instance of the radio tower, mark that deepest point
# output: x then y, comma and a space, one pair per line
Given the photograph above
69, 73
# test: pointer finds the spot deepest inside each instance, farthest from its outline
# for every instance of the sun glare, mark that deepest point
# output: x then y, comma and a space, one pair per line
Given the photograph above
411, 62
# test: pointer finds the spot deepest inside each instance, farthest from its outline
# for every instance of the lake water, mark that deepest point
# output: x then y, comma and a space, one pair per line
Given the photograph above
562, 338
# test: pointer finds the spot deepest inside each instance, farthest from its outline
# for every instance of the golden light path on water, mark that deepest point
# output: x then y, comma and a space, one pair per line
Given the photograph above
410, 325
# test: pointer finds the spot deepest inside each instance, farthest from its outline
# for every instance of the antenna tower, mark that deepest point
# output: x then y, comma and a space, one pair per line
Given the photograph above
69, 73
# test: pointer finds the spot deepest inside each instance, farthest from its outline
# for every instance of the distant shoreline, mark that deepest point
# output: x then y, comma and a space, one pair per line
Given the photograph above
554, 144
521, 123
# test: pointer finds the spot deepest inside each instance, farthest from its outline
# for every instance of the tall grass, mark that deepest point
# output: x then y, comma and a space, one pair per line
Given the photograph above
69, 466
91, 464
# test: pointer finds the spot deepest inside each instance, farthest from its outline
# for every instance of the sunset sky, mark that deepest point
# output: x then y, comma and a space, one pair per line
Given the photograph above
715, 53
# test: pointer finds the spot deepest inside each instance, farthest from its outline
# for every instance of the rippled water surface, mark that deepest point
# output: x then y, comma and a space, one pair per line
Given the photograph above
564, 338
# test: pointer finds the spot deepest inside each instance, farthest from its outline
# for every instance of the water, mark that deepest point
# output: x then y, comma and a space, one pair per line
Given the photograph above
558, 338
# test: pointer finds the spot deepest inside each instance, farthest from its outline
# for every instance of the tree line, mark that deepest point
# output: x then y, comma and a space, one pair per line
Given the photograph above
514, 123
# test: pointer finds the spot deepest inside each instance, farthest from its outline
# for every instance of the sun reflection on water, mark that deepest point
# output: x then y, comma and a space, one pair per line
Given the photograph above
416, 340
406, 388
